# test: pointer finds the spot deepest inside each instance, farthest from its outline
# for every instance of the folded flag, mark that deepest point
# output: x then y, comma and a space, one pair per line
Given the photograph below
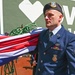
13, 46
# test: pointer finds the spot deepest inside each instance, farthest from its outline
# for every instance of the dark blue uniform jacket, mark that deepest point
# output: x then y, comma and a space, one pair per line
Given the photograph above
57, 56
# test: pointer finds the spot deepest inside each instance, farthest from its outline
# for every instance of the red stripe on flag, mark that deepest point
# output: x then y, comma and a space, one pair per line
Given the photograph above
21, 45
18, 40
2, 37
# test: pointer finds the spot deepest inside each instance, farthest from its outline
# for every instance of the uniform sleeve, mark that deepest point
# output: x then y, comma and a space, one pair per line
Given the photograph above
70, 53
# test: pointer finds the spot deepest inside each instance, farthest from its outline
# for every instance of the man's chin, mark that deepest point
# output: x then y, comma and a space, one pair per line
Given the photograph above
48, 25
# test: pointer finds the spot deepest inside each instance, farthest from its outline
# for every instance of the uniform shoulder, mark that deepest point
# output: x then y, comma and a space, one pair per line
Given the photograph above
43, 32
70, 35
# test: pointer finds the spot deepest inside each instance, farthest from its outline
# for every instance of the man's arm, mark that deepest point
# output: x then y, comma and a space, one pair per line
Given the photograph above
70, 53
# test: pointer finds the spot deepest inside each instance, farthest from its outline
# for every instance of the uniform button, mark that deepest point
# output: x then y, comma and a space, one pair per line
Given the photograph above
44, 53
41, 61
39, 69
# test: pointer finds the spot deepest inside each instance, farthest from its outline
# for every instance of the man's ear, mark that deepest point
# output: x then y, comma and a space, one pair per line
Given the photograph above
61, 18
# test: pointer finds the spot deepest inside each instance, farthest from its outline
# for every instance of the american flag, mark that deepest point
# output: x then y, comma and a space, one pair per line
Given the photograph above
13, 46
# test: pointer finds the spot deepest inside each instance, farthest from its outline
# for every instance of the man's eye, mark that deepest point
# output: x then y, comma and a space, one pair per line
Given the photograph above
50, 15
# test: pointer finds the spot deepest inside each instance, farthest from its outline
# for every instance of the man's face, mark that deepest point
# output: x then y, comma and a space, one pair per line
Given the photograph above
52, 18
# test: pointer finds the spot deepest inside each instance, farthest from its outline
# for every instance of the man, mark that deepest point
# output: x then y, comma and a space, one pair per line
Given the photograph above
56, 46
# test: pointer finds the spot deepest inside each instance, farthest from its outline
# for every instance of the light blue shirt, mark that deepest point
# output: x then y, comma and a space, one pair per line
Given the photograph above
54, 32
56, 29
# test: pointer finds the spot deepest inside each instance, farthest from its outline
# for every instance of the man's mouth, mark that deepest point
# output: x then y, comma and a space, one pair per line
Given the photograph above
48, 22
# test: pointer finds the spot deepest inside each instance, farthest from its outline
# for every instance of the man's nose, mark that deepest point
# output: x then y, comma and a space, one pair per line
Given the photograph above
46, 17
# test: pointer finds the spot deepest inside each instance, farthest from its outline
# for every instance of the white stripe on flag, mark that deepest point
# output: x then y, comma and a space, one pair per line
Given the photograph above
17, 53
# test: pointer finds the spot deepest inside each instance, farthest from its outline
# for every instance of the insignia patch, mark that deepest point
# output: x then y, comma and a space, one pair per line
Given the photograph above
56, 47
54, 58
53, 4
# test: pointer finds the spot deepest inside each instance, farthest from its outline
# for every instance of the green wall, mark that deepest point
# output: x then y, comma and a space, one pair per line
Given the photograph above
13, 17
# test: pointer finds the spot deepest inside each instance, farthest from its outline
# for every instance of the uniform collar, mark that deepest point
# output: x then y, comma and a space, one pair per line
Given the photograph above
55, 38
56, 29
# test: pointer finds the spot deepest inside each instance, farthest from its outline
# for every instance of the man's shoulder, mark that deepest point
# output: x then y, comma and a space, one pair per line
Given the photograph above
44, 32
69, 35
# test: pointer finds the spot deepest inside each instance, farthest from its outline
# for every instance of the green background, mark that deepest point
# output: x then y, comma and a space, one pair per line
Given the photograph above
13, 17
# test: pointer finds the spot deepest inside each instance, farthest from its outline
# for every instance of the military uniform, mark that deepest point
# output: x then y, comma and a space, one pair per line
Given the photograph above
57, 56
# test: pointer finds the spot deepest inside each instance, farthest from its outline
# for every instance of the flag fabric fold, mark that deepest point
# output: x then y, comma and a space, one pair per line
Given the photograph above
13, 46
